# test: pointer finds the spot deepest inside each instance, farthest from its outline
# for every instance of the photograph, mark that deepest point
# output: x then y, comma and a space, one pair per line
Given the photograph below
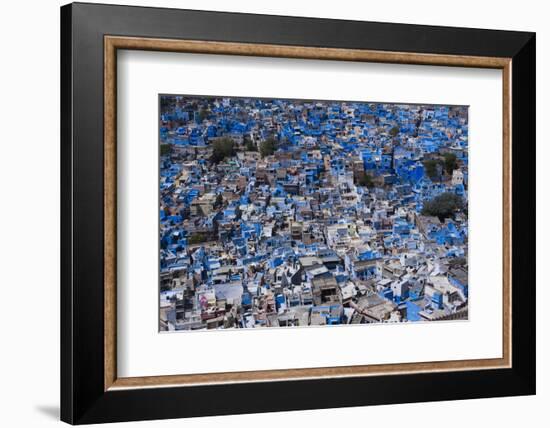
277, 211
296, 213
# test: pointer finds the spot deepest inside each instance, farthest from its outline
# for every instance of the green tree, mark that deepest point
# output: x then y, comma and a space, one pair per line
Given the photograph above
449, 162
249, 145
268, 147
222, 148
197, 238
165, 149
366, 181
203, 114
431, 166
219, 201
443, 206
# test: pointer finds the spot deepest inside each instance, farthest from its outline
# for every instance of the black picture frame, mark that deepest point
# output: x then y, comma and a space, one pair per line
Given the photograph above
83, 396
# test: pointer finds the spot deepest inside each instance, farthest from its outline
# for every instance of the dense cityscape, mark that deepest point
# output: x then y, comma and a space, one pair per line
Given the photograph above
287, 213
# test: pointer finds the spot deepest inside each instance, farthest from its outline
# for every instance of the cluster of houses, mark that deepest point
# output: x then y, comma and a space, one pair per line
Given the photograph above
279, 213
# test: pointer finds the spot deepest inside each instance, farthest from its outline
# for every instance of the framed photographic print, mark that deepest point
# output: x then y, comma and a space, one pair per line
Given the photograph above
329, 213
